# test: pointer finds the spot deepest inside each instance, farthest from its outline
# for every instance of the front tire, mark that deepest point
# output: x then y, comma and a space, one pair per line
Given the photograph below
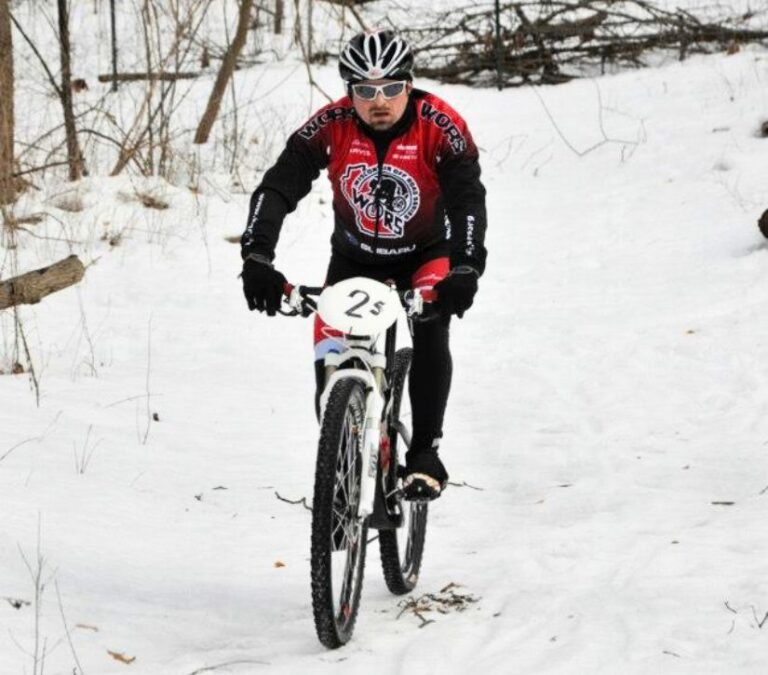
401, 549
338, 533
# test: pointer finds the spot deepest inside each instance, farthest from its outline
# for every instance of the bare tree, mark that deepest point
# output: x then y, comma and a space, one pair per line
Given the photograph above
225, 73
186, 25
7, 183
308, 55
113, 31
74, 156
279, 11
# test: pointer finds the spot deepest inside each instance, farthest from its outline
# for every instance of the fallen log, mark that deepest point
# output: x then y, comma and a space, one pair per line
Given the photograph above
32, 287
138, 77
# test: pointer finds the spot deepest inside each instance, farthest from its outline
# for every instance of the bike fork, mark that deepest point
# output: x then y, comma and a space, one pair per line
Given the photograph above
371, 442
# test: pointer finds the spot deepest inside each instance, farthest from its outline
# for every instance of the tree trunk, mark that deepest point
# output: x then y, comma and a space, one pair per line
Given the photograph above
225, 72
73, 148
310, 21
113, 29
279, 11
296, 22
32, 287
7, 182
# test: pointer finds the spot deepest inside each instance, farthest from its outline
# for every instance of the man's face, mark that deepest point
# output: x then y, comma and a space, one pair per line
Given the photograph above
381, 112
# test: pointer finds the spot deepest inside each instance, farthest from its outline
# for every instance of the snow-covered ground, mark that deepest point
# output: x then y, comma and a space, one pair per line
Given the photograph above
610, 402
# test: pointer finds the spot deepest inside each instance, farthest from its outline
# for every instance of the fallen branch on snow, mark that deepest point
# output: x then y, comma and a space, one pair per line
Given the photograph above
302, 501
32, 287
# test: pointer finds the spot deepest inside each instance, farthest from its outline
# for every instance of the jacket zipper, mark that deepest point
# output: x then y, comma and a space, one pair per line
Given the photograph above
380, 157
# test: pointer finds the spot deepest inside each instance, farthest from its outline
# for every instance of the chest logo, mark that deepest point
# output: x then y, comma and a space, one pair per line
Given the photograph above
391, 199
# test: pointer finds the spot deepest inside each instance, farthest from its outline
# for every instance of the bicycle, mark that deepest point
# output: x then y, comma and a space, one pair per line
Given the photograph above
364, 429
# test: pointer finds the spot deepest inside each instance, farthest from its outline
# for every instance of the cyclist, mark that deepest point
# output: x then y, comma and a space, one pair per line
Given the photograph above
409, 207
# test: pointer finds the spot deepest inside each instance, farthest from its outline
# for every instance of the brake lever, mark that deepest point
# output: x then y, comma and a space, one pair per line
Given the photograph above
299, 303
421, 305
308, 306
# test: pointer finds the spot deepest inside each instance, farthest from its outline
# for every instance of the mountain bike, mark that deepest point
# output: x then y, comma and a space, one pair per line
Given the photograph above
364, 433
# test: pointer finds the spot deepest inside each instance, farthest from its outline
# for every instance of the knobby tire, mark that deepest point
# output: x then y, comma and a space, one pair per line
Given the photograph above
341, 437
401, 559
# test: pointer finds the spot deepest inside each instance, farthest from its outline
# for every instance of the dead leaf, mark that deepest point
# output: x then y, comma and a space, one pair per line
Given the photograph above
152, 202
279, 563
117, 656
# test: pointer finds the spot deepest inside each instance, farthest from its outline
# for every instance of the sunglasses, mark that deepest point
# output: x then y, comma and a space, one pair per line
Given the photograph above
368, 92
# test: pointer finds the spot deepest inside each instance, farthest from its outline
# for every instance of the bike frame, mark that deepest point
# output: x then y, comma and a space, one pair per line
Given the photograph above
370, 365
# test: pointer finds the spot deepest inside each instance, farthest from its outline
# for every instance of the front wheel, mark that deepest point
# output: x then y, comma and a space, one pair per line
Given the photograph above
338, 533
402, 548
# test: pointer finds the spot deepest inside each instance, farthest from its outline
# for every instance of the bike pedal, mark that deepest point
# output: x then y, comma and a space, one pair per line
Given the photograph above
418, 487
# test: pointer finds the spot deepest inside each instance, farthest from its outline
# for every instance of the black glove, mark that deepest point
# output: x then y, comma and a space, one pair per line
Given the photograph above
456, 292
763, 224
262, 284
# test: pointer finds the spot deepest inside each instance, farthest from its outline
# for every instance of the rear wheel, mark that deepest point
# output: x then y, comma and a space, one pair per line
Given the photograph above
338, 533
402, 548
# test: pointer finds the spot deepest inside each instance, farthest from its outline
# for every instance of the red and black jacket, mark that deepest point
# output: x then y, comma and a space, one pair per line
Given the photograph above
396, 193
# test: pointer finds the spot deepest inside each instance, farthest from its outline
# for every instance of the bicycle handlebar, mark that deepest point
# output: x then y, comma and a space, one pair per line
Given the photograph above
301, 300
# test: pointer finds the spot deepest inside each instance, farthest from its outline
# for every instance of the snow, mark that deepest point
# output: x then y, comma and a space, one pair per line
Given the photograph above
609, 401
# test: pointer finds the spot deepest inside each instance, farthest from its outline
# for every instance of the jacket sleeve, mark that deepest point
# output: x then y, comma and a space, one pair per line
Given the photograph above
283, 186
458, 171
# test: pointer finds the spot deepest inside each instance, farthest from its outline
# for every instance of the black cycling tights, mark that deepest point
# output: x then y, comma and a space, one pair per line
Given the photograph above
430, 381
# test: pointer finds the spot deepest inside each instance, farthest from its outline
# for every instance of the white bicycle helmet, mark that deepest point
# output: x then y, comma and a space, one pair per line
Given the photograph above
376, 55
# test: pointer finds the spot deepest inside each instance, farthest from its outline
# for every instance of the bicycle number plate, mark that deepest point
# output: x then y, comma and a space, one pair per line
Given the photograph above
359, 306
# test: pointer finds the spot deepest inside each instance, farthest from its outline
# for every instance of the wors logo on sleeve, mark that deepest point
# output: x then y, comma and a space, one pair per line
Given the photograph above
446, 125
319, 121
383, 202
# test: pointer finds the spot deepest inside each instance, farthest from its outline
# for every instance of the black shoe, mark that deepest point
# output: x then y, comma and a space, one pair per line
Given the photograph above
418, 487
425, 476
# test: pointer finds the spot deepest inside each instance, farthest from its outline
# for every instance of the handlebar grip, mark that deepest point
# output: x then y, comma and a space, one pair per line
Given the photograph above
288, 289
